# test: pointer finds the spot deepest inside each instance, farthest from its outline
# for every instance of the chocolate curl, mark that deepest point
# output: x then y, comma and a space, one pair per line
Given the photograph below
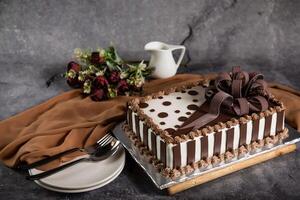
238, 92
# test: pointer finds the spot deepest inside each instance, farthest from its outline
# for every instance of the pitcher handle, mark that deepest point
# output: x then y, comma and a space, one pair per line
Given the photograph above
176, 47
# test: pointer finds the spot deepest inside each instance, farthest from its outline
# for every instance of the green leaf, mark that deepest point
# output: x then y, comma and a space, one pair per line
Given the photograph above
117, 58
112, 66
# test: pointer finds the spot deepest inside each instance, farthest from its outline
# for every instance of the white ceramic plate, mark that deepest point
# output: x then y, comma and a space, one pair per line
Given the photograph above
85, 175
80, 190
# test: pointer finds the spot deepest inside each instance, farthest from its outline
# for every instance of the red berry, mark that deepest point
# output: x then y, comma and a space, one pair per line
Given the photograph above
95, 58
101, 81
122, 87
114, 77
74, 66
74, 82
98, 95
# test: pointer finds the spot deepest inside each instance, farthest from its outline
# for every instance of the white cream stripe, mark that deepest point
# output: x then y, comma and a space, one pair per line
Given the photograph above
158, 146
211, 141
149, 139
141, 130
236, 138
223, 141
249, 132
170, 156
261, 129
133, 123
197, 149
183, 152
273, 124
283, 117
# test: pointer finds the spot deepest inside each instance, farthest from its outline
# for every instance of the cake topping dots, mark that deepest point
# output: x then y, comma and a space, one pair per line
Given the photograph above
177, 111
182, 119
188, 113
160, 97
162, 123
192, 92
166, 103
178, 97
192, 107
152, 110
143, 105
162, 114
195, 100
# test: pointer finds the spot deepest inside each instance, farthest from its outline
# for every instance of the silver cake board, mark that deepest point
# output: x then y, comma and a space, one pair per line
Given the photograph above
211, 172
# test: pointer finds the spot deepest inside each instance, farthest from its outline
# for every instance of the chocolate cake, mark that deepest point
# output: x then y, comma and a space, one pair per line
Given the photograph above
207, 122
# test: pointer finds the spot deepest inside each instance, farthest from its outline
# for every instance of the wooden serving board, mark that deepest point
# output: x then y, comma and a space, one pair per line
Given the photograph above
230, 169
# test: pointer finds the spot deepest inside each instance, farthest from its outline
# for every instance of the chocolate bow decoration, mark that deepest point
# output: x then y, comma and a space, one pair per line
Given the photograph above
237, 93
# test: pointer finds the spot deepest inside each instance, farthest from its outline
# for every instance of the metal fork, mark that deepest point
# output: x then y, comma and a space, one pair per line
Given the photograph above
89, 150
106, 149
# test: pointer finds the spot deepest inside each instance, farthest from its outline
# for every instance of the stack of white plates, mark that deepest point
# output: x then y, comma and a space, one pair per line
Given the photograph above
84, 176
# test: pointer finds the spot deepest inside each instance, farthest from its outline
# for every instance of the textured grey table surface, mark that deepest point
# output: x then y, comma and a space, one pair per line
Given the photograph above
37, 39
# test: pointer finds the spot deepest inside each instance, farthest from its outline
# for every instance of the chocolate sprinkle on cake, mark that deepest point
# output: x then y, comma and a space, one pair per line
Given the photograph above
193, 92
143, 105
162, 114
166, 103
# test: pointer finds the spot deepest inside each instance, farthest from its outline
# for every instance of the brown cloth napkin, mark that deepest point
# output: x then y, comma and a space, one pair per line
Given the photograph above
69, 120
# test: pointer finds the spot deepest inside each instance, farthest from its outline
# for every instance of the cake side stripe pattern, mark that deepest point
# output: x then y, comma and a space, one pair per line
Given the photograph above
163, 152
137, 125
249, 132
236, 137
273, 124
176, 156
129, 117
141, 129
197, 149
183, 154
243, 134
280, 121
203, 147
170, 156
223, 142
153, 143
255, 128
133, 122
191, 150
229, 139
145, 134
261, 128
149, 139
173, 172
218, 140
158, 153
210, 144
268, 125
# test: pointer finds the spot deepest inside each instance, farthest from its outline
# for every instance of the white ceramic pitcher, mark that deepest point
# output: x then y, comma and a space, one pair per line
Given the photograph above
162, 58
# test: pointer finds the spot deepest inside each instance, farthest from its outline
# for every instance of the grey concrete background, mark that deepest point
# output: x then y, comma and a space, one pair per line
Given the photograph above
37, 39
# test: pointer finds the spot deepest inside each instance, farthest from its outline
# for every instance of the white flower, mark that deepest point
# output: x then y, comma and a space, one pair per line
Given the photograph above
71, 73
100, 73
139, 82
81, 76
123, 75
77, 52
87, 87
142, 66
102, 53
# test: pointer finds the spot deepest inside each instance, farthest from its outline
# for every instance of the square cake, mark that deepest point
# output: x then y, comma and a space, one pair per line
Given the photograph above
206, 122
